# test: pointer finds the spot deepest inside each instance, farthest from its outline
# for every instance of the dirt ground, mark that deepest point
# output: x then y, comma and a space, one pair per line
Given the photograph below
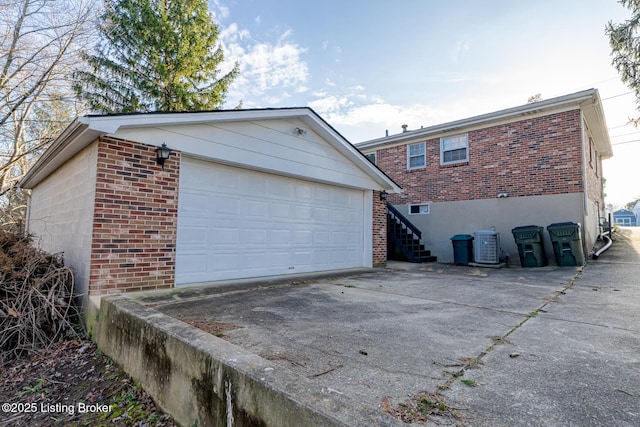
73, 384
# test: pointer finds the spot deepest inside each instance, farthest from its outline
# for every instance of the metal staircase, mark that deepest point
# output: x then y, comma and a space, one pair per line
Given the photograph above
403, 239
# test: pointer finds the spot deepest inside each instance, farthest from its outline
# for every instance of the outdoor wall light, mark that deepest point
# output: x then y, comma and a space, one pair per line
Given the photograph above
299, 131
162, 154
383, 195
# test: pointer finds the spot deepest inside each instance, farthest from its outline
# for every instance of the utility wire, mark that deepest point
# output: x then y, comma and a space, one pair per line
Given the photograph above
616, 96
626, 142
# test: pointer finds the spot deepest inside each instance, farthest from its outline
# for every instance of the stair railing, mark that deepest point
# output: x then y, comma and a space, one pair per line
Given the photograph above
403, 220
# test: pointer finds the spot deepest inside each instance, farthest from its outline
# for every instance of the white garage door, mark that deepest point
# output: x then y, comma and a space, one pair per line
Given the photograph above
237, 223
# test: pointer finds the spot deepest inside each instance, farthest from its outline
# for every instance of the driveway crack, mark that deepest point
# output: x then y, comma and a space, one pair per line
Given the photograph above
499, 340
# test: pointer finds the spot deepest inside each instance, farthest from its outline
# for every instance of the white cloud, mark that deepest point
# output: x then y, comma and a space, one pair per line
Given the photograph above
232, 34
268, 71
360, 116
219, 11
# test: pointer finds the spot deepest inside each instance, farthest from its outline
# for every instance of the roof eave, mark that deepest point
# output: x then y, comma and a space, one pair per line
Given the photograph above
575, 99
84, 130
75, 137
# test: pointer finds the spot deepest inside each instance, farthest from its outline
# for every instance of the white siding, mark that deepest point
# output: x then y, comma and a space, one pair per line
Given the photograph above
267, 145
61, 213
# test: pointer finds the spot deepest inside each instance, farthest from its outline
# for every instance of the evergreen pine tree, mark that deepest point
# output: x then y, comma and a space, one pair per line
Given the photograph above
155, 55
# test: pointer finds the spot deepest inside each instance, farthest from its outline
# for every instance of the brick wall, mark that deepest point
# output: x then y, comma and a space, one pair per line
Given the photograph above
134, 221
379, 231
537, 156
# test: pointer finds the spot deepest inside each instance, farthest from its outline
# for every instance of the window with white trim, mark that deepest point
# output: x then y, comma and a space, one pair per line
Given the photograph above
454, 149
416, 156
423, 209
371, 157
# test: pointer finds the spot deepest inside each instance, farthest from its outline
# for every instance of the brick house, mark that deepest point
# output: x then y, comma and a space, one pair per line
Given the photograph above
535, 164
244, 193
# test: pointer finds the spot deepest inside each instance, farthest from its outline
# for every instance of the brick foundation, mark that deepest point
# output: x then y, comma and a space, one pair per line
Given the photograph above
135, 218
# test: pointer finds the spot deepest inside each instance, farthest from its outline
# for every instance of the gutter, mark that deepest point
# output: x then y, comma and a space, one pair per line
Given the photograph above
563, 101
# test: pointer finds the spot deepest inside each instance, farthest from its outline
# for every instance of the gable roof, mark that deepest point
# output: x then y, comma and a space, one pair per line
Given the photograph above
624, 212
86, 129
588, 101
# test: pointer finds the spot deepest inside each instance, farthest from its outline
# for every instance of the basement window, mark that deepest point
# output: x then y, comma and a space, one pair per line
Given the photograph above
423, 209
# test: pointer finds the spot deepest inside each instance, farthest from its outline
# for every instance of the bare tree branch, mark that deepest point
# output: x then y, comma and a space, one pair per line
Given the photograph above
40, 42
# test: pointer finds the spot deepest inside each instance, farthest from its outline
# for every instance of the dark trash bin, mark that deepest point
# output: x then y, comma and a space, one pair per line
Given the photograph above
530, 241
567, 243
462, 249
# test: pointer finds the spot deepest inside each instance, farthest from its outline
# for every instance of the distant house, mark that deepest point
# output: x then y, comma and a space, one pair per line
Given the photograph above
625, 218
535, 164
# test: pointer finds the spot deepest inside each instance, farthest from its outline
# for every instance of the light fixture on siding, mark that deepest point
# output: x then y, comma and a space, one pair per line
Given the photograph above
162, 154
299, 131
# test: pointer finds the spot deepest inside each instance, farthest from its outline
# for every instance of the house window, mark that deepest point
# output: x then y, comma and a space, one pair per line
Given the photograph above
454, 149
416, 156
423, 209
371, 157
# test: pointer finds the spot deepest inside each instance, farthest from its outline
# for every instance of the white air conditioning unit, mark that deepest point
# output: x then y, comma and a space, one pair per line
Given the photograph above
486, 247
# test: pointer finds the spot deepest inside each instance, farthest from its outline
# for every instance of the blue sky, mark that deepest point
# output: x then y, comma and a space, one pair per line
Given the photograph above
367, 66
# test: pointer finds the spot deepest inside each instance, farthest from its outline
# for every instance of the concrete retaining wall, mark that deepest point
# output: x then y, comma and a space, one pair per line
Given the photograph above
199, 378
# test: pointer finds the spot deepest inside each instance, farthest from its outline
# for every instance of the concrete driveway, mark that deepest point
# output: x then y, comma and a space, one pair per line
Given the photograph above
497, 347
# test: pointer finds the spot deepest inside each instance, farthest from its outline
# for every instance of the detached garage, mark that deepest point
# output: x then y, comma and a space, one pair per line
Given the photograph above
243, 193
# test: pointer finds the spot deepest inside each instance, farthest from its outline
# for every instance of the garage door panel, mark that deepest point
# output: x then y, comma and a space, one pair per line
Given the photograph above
195, 204
303, 237
254, 236
304, 192
235, 223
195, 263
225, 236
223, 261
193, 236
280, 210
303, 212
224, 206
279, 237
255, 208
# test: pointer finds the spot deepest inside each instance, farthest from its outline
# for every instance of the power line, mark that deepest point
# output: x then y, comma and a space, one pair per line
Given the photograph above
626, 142
616, 96
625, 134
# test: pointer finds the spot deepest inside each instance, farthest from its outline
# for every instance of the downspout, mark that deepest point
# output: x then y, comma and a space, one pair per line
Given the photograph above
27, 215
607, 245
585, 184
608, 235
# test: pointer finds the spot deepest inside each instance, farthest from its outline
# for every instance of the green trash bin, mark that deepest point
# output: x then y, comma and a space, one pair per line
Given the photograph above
530, 243
567, 243
462, 249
